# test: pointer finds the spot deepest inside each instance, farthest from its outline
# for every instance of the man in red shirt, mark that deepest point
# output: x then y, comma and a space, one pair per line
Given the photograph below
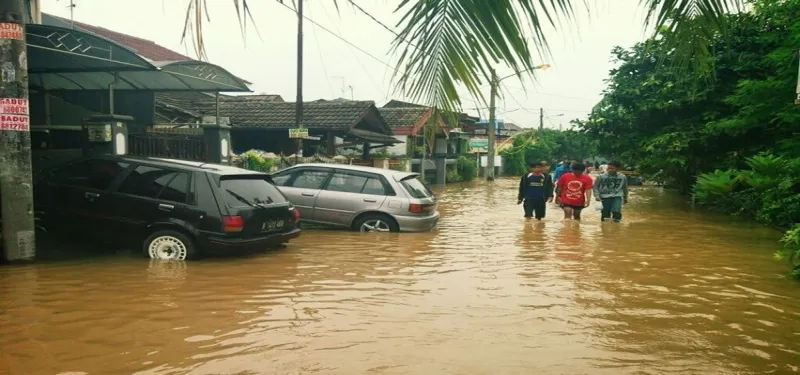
574, 192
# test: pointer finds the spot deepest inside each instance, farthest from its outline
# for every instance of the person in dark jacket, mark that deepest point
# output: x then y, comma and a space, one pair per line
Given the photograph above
535, 189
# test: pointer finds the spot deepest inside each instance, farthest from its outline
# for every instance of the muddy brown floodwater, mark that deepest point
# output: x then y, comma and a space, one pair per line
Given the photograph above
666, 291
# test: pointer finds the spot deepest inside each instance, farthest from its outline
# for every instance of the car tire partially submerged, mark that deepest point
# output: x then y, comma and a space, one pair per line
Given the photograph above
376, 223
169, 245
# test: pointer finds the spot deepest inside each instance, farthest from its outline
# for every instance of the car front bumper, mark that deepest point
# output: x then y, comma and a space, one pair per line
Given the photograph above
417, 223
215, 244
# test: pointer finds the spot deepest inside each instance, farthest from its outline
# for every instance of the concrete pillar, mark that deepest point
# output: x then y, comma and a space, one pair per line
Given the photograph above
107, 134
382, 163
217, 139
441, 170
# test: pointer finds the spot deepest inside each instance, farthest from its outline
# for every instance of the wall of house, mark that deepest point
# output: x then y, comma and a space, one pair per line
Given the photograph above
137, 104
61, 112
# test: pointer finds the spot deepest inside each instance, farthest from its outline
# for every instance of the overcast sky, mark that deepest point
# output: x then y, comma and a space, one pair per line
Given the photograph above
580, 55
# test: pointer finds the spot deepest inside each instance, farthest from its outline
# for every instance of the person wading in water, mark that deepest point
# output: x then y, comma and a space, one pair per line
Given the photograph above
535, 189
574, 192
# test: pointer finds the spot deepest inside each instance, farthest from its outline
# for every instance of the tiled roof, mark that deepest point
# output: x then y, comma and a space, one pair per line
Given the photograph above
510, 126
265, 97
404, 116
400, 104
143, 47
246, 111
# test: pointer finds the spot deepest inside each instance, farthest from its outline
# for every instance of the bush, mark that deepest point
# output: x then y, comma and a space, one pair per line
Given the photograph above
769, 191
253, 161
466, 168
791, 250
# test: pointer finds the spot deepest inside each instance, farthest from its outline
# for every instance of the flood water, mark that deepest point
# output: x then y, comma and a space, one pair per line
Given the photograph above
666, 291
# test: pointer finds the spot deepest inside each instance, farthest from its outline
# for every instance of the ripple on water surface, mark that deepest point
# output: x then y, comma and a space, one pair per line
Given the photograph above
666, 291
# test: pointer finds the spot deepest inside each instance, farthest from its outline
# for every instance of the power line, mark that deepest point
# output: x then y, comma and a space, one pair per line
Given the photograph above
340, 38
371, 78
322, 61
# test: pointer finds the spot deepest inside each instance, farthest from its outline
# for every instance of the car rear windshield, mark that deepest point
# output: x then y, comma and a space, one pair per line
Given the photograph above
249, 192
416, 188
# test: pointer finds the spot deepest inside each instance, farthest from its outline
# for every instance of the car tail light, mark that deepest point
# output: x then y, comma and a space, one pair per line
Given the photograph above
232, 223
416, 208
295, 214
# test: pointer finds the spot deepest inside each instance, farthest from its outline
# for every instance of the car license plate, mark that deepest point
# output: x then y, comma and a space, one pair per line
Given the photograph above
271, 226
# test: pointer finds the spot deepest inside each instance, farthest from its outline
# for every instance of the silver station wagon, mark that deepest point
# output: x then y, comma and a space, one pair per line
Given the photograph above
361, 198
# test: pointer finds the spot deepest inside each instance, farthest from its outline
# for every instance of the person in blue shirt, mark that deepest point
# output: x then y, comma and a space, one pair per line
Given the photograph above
563, 167
535, 189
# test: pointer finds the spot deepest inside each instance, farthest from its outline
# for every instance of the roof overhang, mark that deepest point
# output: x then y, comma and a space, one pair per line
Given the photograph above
70, 59
373, 137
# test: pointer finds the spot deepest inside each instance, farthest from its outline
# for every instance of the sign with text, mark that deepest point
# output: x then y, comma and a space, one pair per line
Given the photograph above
298, 133
14, 114
14, 122
13, 106
9, 30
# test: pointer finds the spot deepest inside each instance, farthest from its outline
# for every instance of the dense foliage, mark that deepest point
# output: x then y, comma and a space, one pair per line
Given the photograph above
466, 169
547, 145
735, 134
253, 161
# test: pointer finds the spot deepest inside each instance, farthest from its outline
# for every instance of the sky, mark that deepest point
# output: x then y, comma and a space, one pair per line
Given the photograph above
348, 54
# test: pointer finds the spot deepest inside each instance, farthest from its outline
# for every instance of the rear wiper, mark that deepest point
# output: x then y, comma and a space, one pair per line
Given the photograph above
242, 199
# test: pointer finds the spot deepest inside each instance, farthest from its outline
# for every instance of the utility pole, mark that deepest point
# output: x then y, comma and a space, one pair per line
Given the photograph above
16, 185
298, 120
490, 128
541, 119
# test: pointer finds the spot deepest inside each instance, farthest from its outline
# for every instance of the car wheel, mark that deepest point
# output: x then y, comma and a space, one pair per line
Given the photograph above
376, 223
169, 245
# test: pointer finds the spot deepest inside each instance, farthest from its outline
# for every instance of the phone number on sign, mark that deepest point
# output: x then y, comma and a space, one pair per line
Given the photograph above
12, 122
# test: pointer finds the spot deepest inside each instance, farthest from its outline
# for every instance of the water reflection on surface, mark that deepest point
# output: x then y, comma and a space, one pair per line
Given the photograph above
668, 290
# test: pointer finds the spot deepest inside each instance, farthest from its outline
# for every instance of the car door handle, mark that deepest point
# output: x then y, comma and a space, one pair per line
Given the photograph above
165, 207
307, 194
91, 196
370, 200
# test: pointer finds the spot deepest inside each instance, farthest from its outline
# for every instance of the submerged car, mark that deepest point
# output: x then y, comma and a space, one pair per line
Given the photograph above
172, 209
361, 198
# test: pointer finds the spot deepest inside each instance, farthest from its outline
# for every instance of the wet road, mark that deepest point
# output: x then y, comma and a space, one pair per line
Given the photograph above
667, 291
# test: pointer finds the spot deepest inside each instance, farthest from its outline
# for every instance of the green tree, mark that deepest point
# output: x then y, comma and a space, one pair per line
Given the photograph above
674, 124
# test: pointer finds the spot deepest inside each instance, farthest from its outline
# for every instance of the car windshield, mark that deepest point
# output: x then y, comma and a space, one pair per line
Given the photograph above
416, 188
250, 192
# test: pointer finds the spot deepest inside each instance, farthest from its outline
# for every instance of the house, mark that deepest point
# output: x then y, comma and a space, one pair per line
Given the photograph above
407, 121
263, 122
101, 85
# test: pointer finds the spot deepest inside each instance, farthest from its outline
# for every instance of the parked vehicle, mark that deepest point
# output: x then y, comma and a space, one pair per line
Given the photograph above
173, 209
361, 198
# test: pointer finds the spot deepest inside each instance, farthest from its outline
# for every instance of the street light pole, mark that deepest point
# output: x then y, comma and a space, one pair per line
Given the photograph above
490, 128
16, 181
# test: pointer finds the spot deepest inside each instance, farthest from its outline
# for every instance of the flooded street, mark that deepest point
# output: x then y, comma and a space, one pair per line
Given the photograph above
666, 291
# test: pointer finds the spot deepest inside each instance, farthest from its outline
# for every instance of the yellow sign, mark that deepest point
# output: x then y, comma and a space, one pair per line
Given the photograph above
298, 133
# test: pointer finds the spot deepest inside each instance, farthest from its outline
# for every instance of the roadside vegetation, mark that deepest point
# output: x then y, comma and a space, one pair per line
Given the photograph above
729, 136
547, 145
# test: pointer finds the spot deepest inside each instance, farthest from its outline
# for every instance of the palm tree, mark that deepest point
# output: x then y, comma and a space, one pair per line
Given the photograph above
446, 43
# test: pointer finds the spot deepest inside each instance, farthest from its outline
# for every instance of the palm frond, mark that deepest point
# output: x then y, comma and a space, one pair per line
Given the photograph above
443, 43
193, 23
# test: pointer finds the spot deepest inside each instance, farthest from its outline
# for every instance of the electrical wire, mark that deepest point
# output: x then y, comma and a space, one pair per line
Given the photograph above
341, 38
321, 60
371, 78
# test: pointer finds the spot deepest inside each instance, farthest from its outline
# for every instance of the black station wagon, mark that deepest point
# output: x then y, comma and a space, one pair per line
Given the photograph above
173, 209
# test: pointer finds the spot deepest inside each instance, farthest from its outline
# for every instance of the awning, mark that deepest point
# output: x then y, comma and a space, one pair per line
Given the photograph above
373, 137
69, 59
